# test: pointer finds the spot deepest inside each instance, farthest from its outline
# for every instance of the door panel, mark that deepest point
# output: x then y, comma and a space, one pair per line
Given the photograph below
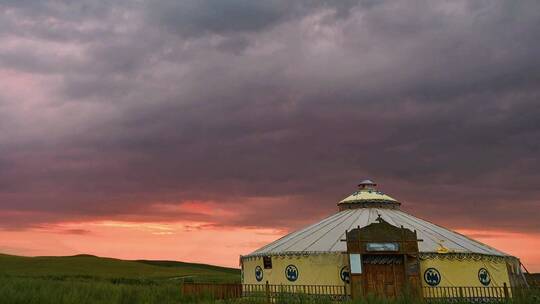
384, 280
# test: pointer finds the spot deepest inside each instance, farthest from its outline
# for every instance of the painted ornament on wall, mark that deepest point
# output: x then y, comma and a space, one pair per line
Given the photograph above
484, 277
432, 277
258, 273
291, 272
344, 274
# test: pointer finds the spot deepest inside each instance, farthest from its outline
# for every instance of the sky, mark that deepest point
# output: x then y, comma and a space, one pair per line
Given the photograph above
199, 130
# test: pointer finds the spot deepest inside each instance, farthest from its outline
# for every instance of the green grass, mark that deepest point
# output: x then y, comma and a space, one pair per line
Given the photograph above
85, 279
96, 268
43, 291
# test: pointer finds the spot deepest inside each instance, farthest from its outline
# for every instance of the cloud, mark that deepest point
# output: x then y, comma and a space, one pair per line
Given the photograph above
271, 109
76, 231
192, 18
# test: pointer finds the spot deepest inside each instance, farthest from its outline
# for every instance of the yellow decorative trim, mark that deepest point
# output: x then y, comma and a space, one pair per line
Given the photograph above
463, 256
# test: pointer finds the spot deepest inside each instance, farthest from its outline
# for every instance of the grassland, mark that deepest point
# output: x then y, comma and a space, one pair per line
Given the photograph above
90, 279
92, 267
85, 279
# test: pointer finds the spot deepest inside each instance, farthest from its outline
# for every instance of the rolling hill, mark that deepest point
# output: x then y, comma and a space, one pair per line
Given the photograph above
85, 267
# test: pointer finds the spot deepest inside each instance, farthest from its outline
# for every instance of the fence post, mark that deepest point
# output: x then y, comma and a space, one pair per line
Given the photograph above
506, 296
461, 292
267, 292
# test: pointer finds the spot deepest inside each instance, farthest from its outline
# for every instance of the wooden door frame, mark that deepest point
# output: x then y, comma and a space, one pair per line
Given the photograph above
381, 238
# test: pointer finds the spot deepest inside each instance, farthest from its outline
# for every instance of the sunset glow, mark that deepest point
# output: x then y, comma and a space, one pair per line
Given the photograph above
195, 241
183, 241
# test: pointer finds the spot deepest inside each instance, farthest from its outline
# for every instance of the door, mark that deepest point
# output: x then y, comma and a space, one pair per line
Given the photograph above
384, 276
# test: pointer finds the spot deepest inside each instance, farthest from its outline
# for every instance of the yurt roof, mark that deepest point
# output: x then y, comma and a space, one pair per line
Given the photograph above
328, 234
367, 195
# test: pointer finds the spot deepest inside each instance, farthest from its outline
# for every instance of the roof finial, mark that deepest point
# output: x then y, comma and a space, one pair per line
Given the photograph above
367, 185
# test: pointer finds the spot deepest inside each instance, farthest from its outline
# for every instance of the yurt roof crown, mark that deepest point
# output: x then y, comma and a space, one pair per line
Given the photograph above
368, 196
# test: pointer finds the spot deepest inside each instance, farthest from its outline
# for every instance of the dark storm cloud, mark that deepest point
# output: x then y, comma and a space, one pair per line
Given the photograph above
195, 18
269, 108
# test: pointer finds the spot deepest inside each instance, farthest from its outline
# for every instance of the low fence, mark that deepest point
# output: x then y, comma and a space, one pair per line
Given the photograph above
469, 293
341, 292
533, 279
215, 291
332, 292
478, 294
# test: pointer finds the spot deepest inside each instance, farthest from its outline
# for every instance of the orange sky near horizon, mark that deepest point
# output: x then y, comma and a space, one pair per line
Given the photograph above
181, 241
196, 241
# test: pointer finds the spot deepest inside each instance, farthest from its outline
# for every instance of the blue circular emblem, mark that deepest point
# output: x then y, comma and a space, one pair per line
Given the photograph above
344, 274
432, 277
258, 273
484, 277
291, 272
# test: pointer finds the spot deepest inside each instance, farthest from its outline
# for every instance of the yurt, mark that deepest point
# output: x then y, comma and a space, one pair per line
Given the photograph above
371, 245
